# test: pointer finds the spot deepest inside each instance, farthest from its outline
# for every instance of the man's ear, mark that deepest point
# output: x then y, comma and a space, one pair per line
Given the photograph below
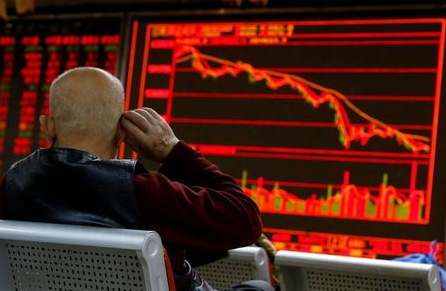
48, 128
120, 135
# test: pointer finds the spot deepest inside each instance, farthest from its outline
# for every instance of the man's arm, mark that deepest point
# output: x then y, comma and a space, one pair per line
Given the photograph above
190, 202
193, 203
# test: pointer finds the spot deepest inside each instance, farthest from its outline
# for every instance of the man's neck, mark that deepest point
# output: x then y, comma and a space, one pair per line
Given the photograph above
105, 152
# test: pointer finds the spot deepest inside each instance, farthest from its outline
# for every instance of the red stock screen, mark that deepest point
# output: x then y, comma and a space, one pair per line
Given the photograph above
332, 127
33, 53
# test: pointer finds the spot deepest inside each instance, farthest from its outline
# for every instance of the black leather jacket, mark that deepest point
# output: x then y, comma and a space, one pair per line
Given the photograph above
61, 185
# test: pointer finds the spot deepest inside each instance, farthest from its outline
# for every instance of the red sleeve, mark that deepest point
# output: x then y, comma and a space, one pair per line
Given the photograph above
191, 203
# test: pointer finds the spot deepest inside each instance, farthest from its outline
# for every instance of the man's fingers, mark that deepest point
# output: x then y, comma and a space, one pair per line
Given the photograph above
146, 115
150, 111
133, 131
137, 119
148, 133
153, 113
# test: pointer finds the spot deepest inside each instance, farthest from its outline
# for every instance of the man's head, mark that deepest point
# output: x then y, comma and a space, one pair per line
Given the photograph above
86, 104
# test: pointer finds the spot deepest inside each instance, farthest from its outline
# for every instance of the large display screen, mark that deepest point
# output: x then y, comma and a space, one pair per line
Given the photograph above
33, 52
333, 127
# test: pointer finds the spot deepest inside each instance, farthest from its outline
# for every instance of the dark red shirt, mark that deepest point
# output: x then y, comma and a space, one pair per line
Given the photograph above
191, 203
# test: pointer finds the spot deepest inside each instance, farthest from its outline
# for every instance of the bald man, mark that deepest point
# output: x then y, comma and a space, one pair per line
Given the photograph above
78, 180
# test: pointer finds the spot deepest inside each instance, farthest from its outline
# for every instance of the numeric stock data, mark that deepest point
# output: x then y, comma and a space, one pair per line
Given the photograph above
331, 127
34, 51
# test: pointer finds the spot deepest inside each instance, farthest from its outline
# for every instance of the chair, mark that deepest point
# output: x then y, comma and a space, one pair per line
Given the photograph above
316, 272
43, 256
242, 264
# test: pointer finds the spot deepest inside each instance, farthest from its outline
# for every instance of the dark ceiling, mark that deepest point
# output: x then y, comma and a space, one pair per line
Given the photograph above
82, 6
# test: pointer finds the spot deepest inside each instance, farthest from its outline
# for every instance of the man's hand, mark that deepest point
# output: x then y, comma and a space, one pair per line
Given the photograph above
148, 133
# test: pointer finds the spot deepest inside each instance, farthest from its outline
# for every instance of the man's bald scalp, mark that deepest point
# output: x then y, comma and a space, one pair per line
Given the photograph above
86, 103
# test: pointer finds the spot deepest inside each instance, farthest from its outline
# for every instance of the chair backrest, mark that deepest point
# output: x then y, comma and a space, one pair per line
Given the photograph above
242, 264
43, 256
317, 272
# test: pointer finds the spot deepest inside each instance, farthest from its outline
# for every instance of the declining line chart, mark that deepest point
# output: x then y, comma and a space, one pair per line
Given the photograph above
319, 121
306, 89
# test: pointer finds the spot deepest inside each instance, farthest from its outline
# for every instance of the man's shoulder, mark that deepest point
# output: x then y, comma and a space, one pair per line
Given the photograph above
26, 159
54, 156
137, 167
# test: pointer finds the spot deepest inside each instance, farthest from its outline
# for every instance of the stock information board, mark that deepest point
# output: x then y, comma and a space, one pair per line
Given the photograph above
33, 53
332, 127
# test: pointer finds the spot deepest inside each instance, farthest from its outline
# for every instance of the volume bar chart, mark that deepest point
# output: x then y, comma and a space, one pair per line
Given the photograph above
345, 201
330, 126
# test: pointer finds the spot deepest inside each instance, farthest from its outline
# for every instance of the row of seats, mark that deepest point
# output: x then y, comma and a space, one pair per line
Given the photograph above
43, 257
318, 272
